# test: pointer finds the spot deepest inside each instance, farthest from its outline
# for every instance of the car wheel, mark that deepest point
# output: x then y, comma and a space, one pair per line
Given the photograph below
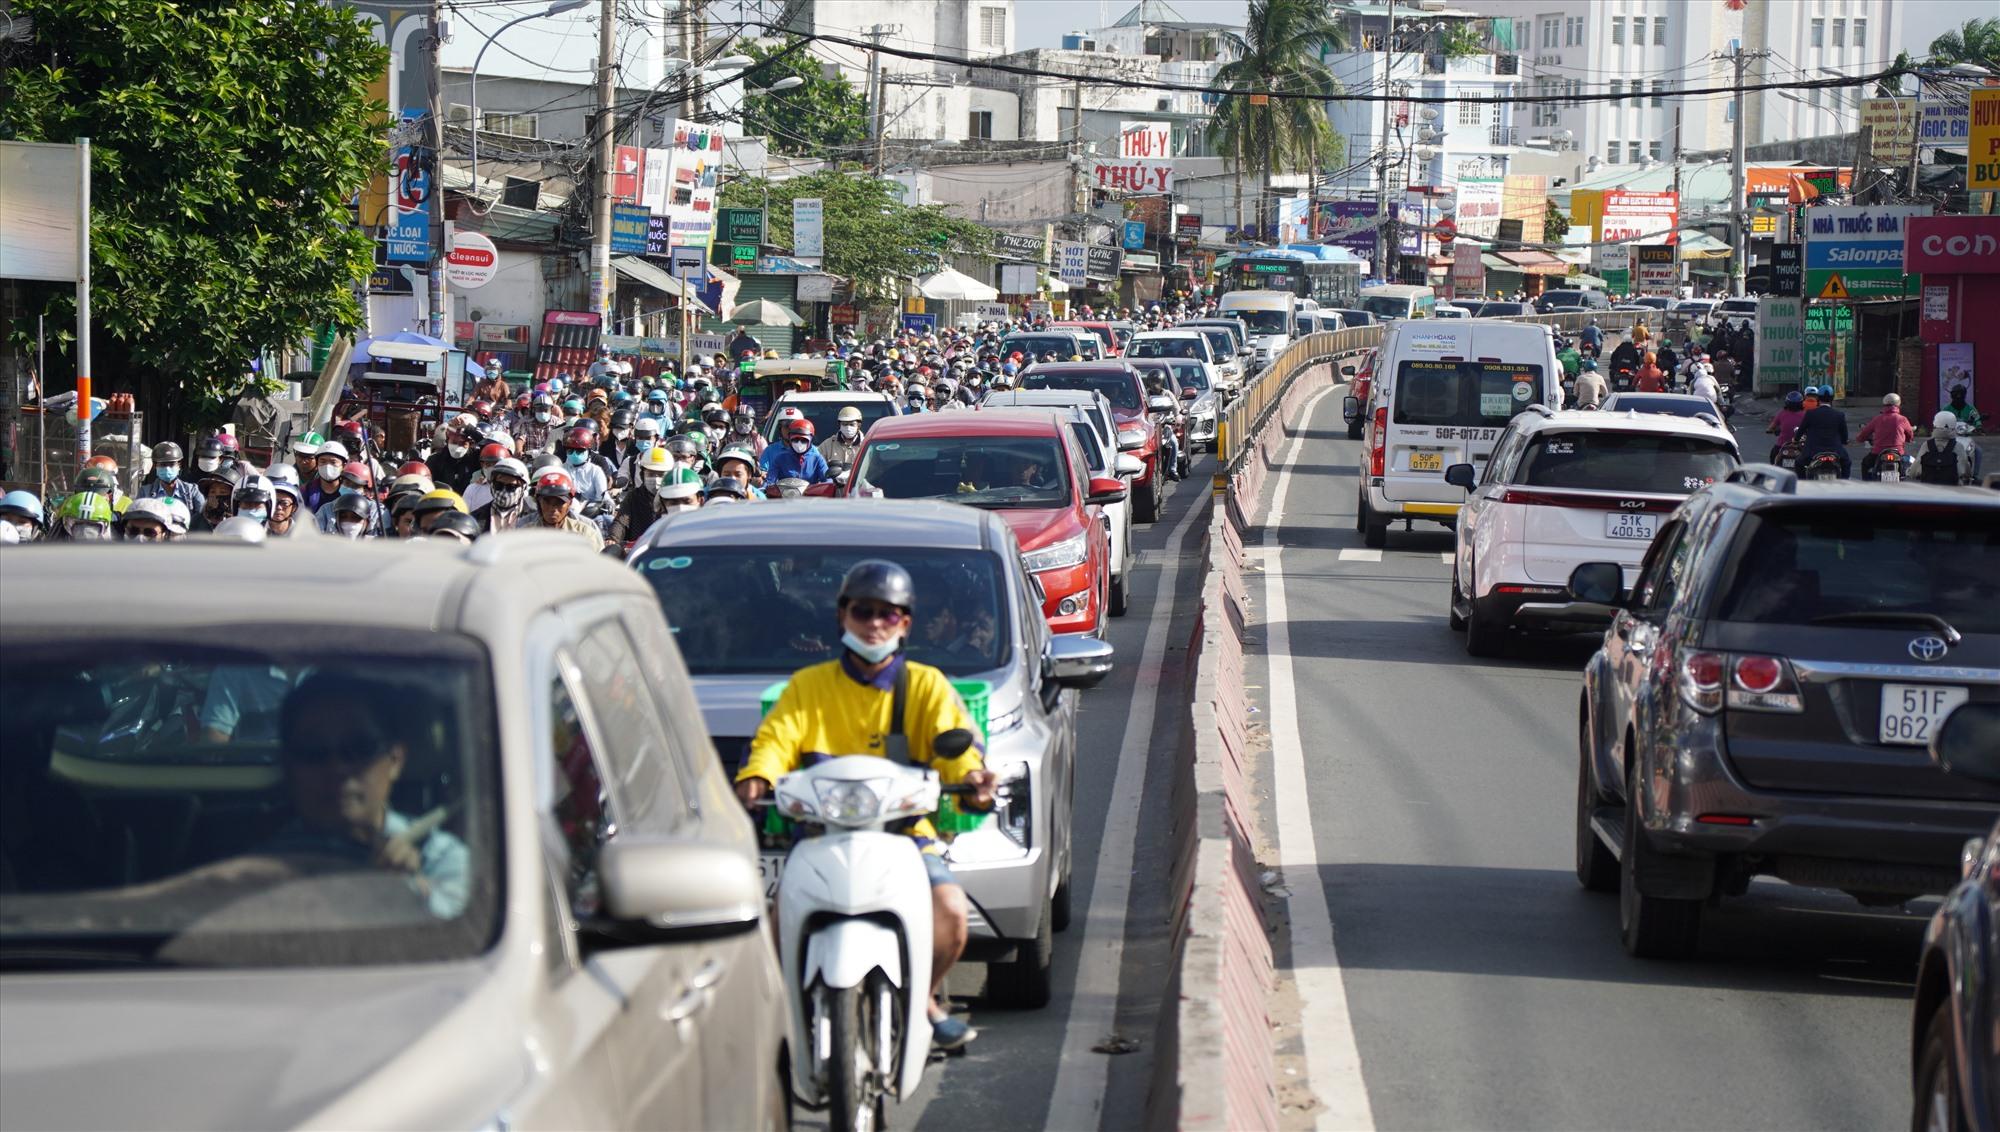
1374, 531
1451, 607
1485, 632
1361, 510
1650, 927
1061, 905
1026, 982
1354, 429
1596, 868
1937, 1104
1119, 601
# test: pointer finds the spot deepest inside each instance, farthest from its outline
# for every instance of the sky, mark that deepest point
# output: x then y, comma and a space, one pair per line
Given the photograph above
1043, 23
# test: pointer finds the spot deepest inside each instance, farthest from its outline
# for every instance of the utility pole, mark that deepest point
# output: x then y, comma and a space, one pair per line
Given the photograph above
1739, 226
601, 288
1076, 161
1382, 179
439, 314
878, 89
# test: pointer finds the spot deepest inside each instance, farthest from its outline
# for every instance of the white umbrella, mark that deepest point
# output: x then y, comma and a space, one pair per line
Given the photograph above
949, 284
764, 312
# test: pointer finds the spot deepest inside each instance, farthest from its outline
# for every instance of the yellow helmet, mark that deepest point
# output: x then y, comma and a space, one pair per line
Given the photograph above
657, 459
442, 499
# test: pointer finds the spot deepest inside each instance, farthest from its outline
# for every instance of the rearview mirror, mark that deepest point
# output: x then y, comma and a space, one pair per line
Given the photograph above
1599, 583
1128, 465
1131, 443
677, 887
1461, 475
1189, 392
1968, 744
1160, 404
1347, 371
1105, 489
953, 743
1075, 660
1350, 407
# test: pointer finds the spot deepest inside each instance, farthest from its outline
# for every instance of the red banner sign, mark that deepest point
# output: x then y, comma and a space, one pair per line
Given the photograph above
1951, 245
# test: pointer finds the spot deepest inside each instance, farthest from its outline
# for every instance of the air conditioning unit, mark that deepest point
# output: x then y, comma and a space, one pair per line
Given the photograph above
1432, 5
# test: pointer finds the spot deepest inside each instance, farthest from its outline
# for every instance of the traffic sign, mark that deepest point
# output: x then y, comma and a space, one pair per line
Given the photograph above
1447, 231
472, 261
689, 264
1833, 288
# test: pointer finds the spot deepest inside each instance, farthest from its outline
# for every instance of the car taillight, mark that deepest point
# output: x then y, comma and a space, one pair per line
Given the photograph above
1700, 680
1378, 457
1763, 683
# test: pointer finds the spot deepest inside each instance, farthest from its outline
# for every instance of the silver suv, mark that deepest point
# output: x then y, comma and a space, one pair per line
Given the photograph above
368, 834
750, 592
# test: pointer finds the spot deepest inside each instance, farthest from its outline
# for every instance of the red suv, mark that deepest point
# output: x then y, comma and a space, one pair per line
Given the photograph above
1121, 385
1023, 464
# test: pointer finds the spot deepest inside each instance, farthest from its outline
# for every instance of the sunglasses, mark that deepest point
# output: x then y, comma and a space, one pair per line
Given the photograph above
871, 611
348, 751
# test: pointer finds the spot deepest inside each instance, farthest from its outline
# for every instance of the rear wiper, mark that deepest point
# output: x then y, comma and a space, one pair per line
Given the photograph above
1891, 616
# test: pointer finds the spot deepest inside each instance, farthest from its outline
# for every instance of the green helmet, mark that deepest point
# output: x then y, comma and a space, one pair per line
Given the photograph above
87, 506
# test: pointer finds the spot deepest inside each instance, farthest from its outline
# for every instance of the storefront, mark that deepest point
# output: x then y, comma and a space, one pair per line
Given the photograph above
1959, 260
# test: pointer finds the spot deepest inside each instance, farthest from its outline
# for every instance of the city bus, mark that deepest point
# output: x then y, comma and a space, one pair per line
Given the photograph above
1331, 283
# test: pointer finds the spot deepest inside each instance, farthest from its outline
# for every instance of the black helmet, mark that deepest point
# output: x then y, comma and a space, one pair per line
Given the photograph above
455, 523
621, 417
879, 580
715, 415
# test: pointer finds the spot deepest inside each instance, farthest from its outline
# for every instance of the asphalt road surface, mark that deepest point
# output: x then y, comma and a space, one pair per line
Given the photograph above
1485, 988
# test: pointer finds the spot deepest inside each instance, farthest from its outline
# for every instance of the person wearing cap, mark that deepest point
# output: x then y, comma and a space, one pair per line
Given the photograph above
739, 465
156, 518
645, 438
723, 490
554, 496
253, 499
404, 491
539, 431
433, 505
305, 451
217, 487
455, 460
356, 482
1823, 429
165, 482
506, 499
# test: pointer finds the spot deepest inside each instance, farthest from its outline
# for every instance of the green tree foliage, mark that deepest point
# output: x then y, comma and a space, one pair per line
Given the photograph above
872, 237
1554, 225
228, 141
1280, 51
1978, 41
822, 117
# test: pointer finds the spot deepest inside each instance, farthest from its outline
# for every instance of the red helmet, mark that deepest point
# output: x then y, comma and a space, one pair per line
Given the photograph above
357, 474
495, 451
580, 437
482, 408
800, 427
553, 483
521, 402
227, 440
415, 468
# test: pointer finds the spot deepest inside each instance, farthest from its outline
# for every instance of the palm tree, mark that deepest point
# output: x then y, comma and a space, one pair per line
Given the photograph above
1281, 51
1976, 42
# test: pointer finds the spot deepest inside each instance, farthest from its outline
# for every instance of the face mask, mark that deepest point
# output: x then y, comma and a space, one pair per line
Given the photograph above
800, 446
208, 463
89, 532
347, 530
457, 451
542, 416
349, 489
652, 481
622, 433
873, 654
167, 474
257, 513
743, 428
508, 498
576, 459
330, 472
643, 444
849, 432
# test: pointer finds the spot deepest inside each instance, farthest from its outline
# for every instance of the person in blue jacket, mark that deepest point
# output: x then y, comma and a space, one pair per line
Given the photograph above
796, 458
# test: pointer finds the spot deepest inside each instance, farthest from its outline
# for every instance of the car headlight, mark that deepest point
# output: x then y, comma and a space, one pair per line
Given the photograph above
1015, 810
1062, 555
1204, 405
848, 803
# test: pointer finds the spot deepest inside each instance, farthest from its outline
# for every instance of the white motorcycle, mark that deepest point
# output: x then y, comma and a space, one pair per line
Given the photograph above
854, 930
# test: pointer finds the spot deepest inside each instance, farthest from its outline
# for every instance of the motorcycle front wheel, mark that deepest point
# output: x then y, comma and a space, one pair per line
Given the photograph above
855, 1100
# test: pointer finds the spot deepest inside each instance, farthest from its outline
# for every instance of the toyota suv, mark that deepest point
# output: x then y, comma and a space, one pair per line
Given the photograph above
1121, 385
1762, 699
1564, 488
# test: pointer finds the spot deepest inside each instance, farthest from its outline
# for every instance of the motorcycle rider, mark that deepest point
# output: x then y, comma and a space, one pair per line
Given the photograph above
1591, 388
156, 518
587, 479
796, 458
743, 431
1946, 457
356, 482
538, 433
458, 460
844, 707
554, 496
1824, 429
1888, 430
286, 503
1959, 407
662, 488
1592, 337
254, 499
324, 483
1785, 422
22, 510
165, 482
216, 489
840, 449
1705, 385
508, 491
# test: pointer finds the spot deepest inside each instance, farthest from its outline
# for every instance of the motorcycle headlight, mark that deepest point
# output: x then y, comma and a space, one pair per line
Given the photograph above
849, 803
1062, 555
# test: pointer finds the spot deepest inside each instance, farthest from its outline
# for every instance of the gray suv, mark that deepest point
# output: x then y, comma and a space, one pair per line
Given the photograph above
1761, 702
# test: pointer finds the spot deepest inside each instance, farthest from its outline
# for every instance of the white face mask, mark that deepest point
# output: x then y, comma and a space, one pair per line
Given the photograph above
800, 446
208, 463
329, 472
873, 654
348, 530
457, 451
849, 431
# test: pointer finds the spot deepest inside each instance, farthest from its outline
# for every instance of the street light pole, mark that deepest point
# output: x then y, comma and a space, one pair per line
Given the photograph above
552, 10
607, 161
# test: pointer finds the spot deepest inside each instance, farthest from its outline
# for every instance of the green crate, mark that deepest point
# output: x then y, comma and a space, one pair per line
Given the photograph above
948, 819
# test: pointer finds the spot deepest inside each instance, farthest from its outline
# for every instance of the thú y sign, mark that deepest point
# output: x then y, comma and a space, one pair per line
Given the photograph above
1134, 176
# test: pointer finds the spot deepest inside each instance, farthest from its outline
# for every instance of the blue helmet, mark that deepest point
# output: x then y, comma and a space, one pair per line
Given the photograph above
1794, 399
23, 502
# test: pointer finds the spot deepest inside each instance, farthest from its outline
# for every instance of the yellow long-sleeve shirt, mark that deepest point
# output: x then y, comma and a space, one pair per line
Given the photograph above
830, 709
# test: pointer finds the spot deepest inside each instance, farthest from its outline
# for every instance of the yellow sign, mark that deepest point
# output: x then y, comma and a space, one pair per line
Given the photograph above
913, 305
1763, 225
1982, 149
1834, 289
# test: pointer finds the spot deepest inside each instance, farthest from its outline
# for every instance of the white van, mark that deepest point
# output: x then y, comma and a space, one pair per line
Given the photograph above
1442, 392
1391, 301
1272, 317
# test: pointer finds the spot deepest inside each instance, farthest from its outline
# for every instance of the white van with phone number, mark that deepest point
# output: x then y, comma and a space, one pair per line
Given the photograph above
1441, 394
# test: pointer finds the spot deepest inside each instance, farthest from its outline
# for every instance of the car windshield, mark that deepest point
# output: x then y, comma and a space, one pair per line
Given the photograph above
1386, 306
1353, 317
1502, 310
1190, 375
987, 471
1123, 334
1033, 346
1261, 322
1564, 298
825, 414
1471, 394
736, 610
1118, 388
218, 800
1234, 333
1818, 564
1625, 461
1669, 404
1166, 347
1220, 344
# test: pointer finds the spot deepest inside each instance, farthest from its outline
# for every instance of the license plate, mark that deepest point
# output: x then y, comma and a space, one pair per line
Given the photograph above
1912, 713
1631, 525
772, 866
1427, 461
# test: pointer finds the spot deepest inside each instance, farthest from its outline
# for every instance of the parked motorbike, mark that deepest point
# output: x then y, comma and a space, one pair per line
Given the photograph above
854, 929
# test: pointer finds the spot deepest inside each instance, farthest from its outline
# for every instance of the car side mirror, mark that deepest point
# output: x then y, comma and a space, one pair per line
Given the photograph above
1131, 443
1600, 583
1347, 371
1106, 489
1128, 465
1350, 407
1189, 393
825, 490
1160, 404
1461, 475
1968, 743
659, 889
1075, 660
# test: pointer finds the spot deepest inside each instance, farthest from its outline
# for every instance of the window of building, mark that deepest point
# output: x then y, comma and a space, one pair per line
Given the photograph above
1860, 32
1611, 152
992, 27
1729, 111
518, 125
1659, 31
1551, 31
1659, 85
1818, 32
1521, 36
1653, 150
1632, 151
1575, 88
1617, 31
981, 125
1638, 31
1840, 33
1573, 31
1471, 114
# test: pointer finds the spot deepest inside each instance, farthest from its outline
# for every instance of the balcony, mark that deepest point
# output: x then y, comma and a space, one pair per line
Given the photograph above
1503, 136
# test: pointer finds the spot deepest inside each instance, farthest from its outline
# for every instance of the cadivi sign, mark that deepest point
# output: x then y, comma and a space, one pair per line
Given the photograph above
1952, 245
471, 262
1135, 176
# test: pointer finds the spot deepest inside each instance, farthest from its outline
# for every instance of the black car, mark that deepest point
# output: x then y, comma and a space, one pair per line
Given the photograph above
1952, 1059
1762, 698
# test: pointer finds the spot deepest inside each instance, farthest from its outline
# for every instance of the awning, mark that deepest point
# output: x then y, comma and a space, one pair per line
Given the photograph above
949, 284
786, 265
639, 271
1696, 244
1531, 263
1586, 279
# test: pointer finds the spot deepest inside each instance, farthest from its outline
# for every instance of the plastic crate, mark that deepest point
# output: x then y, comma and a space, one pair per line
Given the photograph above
949, 820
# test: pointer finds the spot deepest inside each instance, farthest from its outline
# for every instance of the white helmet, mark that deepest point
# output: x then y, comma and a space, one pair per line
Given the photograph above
1944, 420
168, 512
1892, 399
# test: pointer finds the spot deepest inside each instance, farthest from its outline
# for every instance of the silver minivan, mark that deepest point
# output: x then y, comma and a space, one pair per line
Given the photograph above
352, 835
